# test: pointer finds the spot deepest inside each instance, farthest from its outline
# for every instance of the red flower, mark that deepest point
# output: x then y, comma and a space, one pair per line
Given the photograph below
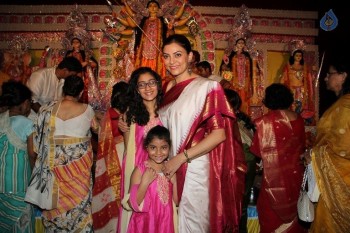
210, 45
13, 19
211, 56
96, 19
38, 19
102, 73
207, 34
202, 24
104, 50
25, 19
218, 21
48, 19
61, 19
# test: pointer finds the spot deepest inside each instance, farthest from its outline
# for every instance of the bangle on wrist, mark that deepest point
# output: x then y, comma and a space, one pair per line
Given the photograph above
188, 160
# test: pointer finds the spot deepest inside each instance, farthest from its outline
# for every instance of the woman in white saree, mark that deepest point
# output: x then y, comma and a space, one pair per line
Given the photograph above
207, 153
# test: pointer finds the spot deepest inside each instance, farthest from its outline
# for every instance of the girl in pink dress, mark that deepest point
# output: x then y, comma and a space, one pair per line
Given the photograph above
145, 93
152, 195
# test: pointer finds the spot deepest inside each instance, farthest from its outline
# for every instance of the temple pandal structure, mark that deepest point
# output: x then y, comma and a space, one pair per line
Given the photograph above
32, 37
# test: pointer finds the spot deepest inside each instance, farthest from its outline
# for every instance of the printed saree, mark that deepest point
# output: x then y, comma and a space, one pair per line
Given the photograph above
61, 180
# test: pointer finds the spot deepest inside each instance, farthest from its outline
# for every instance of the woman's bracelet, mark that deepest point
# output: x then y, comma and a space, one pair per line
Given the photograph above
188, 160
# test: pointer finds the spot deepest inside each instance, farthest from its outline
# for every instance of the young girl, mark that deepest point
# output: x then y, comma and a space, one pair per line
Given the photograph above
151, 193
145, 94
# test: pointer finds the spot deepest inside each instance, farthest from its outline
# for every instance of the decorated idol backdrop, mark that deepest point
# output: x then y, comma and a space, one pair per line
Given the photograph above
251, 48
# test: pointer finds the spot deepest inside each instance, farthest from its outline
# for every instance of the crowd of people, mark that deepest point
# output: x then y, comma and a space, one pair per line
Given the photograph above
173, 156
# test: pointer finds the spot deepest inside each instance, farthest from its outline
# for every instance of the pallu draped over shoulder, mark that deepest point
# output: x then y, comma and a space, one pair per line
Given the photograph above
331, 164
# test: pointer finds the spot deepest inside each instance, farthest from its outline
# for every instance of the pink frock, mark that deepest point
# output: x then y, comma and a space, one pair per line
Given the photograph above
155, 214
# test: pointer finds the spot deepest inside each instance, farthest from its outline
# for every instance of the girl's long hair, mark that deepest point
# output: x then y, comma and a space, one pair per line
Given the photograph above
137, 112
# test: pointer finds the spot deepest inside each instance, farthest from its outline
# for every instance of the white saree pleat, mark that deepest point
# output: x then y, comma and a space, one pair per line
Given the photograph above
194, 205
